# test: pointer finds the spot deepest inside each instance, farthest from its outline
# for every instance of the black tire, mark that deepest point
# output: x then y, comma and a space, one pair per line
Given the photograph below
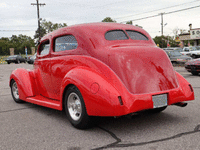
75, 109
14, 92
8, 62
195, 73
17, 61
194, 56
157, 110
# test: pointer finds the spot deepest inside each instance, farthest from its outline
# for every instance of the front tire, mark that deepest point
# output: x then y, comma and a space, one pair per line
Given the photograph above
14, 92
75, 109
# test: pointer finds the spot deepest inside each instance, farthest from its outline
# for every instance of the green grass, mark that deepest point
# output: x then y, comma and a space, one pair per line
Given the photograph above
2, 59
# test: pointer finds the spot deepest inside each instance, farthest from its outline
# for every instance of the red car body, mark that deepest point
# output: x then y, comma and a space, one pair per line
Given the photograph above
115, 76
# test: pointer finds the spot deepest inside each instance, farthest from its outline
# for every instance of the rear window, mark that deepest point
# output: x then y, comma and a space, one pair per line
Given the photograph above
134, 35
116, 35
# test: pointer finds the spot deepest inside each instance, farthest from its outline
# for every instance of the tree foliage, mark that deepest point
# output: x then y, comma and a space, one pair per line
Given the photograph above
46, 27
165, 41
18, 43
131, 23
108, 19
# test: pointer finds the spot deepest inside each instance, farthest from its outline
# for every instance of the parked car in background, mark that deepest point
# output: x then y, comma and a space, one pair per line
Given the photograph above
191, 51
197, 47
176, 57
15, 59
31, 59
193, 66
179, 49
100, 69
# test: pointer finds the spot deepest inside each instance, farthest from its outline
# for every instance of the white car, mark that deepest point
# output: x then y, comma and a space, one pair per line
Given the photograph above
191, 51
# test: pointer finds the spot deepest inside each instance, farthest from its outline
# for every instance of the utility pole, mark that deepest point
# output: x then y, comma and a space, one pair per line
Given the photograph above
38, 14
161, 23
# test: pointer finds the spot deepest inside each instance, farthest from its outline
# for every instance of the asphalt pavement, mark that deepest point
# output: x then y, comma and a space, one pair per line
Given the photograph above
31, 127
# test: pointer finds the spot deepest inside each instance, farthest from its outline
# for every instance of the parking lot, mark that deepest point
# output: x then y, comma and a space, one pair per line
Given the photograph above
28, 126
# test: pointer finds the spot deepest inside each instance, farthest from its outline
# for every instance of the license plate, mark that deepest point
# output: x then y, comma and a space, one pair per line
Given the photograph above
159, 100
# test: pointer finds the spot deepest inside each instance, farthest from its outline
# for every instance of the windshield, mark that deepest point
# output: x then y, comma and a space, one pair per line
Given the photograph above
198, 47
193, 48
13, 56
174, 53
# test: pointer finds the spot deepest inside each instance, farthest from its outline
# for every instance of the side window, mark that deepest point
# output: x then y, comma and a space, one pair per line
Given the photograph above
134, 35
187, 50
44, 48
67, 42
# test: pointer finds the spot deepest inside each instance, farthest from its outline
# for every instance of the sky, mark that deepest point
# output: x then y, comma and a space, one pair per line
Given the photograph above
20, 17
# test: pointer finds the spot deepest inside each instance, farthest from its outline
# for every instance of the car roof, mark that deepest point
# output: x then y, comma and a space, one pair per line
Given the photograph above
100, 27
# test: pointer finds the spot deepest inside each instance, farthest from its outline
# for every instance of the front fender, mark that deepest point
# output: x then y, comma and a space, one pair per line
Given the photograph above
24, 82
100, 97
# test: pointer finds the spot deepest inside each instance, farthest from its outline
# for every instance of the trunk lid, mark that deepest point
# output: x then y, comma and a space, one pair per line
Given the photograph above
142, 69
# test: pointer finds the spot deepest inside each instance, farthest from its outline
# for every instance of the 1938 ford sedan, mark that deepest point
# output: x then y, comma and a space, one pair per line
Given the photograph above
100, 69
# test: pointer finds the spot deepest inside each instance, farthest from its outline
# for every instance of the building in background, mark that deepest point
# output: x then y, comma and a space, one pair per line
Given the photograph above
192, 35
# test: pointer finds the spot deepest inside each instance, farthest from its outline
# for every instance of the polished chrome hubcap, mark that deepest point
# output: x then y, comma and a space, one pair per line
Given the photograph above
74, 106
15, 90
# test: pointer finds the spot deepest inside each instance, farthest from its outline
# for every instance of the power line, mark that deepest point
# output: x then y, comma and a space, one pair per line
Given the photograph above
15, 30
163, 14
157, 9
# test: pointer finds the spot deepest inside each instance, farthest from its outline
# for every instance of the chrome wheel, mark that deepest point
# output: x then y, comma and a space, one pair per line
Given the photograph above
74, 106
15, 90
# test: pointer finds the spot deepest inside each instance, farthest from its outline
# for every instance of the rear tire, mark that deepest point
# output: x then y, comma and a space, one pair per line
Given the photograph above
14, 92
75, 109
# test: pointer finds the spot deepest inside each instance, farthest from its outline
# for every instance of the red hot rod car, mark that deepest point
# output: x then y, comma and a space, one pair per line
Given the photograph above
100, 69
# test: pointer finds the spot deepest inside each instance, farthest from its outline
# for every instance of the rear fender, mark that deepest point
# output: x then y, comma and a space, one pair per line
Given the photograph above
24, 80
100, 97
186, 87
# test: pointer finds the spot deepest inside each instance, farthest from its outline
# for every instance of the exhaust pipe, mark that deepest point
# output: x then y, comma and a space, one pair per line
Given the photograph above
180, 104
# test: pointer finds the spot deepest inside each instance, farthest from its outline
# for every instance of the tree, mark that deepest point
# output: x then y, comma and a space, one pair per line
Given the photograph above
138, 26
129, 22
4, 46
163, 41
42, 33
49, 26
108, 19
18, 43
46, 27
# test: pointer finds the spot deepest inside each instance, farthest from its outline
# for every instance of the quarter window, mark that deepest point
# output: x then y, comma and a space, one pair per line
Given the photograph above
67, 42
44, 48
134, 35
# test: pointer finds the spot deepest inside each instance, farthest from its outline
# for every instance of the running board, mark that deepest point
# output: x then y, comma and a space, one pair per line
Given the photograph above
43, 101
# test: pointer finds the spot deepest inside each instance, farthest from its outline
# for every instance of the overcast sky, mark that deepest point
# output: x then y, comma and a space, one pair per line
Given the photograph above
21, 15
